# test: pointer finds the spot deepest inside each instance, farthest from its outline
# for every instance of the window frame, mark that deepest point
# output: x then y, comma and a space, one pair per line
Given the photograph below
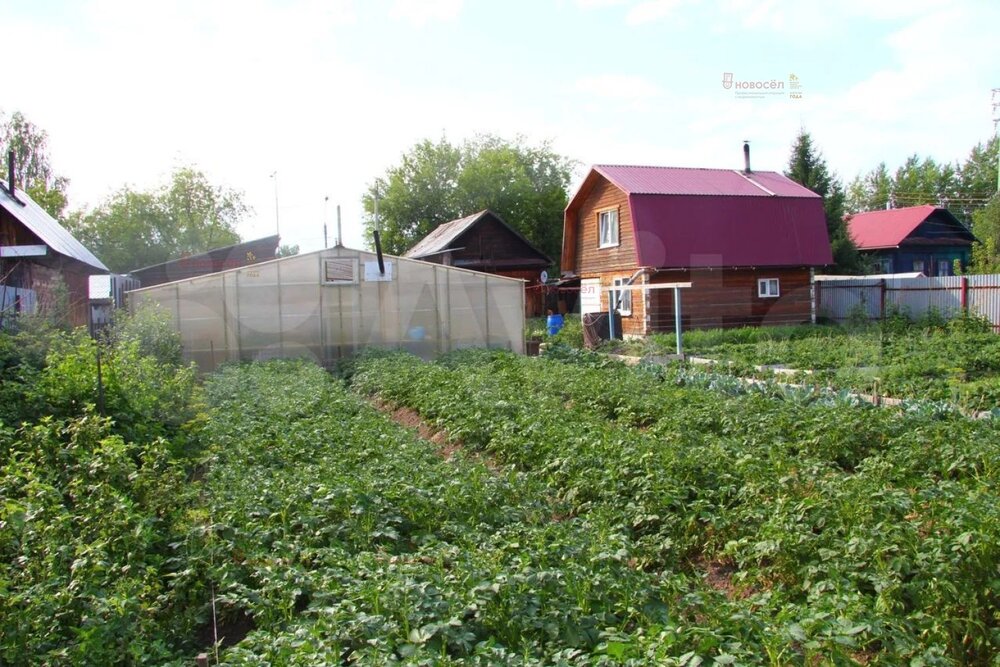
623, 297
614, 243
764, 288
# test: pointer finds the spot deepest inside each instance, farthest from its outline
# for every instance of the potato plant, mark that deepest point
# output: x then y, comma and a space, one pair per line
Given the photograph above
846, 533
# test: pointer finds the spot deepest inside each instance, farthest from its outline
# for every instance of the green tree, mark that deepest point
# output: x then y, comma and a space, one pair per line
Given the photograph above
870, 192
978, 178
962, 188
436, 182
807, 167
34, 174
189, 215
986, 227
286, 250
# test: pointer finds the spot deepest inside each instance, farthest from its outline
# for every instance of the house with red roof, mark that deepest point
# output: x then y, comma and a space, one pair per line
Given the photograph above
747, 241
927, 239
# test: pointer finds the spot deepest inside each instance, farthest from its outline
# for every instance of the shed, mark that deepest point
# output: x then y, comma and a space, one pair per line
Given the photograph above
331, 304
212, 261
36, 255
485, 242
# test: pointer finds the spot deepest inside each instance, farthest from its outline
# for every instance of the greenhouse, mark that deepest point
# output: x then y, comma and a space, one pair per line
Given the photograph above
333, 303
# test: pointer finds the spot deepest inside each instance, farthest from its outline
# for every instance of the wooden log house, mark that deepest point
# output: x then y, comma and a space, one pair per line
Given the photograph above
747, 241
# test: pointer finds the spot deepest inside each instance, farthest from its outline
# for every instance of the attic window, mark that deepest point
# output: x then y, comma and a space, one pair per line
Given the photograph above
607, 226
767, 288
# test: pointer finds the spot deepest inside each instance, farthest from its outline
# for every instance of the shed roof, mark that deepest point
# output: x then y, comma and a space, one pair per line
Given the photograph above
875, 230
26, 211
689, 218
444, 235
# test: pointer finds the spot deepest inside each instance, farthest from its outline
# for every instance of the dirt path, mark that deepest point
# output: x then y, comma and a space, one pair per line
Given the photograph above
446, 446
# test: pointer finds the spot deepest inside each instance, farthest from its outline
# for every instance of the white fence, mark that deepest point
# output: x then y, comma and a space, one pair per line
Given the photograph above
841, 299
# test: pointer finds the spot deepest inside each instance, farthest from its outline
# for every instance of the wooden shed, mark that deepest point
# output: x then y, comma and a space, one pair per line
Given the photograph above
484, 242
39, 259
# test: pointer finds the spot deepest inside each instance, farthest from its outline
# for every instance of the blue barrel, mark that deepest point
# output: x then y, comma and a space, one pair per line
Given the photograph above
554, 323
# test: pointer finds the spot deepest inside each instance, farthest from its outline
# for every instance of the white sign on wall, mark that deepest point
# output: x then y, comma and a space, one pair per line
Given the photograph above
590, 295
372, 274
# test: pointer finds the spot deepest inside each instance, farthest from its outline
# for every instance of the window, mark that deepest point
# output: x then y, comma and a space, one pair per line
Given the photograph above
622, 297
885, 265
340, 271
767, 288
607, 225
944, 267
918, 265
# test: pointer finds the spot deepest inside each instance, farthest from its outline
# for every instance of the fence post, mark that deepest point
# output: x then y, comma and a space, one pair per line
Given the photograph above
881, 307
964, 298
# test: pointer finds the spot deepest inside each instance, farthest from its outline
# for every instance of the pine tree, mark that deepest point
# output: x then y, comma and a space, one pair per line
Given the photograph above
807, 167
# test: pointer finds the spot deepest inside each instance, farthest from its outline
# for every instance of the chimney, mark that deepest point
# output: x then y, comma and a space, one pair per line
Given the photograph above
10, 172
746, 156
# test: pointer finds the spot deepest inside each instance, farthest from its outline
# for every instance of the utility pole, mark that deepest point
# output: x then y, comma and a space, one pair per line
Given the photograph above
277, 225
326, 200
996, 128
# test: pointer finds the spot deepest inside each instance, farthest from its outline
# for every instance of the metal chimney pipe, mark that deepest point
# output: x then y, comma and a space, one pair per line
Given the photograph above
10, 172
746, 156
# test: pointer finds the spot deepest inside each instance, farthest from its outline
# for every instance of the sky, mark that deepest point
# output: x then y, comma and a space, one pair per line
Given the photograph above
300, 104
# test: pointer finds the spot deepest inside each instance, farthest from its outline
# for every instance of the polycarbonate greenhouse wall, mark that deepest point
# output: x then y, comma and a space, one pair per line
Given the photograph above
334, 303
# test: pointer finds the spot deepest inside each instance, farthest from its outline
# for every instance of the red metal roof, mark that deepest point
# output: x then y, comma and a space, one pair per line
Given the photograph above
689, 218
887, 229
688, 181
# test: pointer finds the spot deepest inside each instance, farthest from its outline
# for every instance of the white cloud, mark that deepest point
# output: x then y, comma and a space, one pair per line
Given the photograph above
421, 12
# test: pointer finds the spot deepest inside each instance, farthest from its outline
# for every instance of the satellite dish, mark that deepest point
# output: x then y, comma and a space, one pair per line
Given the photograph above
545, 276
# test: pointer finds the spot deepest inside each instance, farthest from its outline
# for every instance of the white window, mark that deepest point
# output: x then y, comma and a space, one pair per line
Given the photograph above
607, 225
918, 265
944, 267
767, 288
622, 297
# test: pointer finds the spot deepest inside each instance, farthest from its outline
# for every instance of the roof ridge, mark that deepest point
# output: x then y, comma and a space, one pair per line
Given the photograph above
653, 166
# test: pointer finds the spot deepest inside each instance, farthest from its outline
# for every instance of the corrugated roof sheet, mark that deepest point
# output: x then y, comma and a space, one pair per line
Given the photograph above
442, 236
691, 231
45, 227
887, 229
691, 181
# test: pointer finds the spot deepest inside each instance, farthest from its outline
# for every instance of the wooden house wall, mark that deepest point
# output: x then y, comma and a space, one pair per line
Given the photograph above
43, 274
722, 298
589, 260
490, 242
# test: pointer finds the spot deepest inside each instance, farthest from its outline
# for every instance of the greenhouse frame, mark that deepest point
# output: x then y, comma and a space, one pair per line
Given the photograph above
331, 304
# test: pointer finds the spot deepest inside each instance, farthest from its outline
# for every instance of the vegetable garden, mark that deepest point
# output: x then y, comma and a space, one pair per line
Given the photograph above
571, 511
957, 361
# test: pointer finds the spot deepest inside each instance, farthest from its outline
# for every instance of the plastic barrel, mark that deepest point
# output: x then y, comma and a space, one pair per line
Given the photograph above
554, 323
